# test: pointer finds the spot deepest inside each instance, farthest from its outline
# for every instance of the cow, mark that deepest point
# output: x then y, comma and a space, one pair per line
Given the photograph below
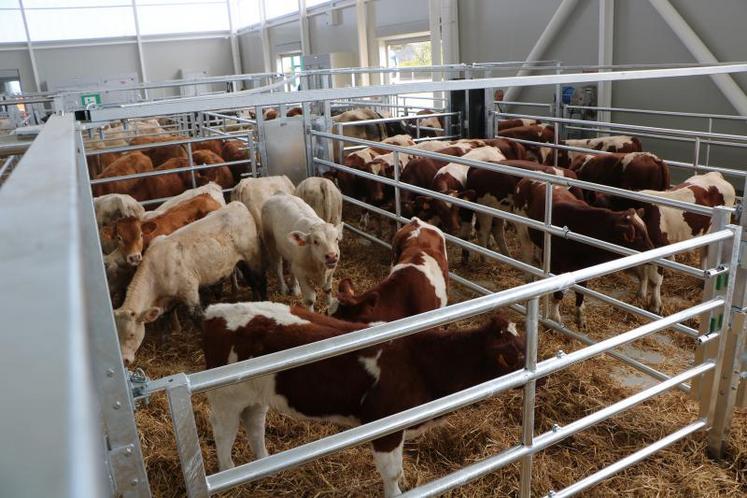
509, 148
161, 153
133, 235
159, 186
667, 225
221, 175
353, 388
293, 232
615, 143
175, 267
403, 140
215, 146
535, 133
496, 190
417, 282
211, 189
253, 192
631, 171
129, 164
506, 124
109, 208
294, 111
236, 150
624, 228
434, 125
323, 197
376, 132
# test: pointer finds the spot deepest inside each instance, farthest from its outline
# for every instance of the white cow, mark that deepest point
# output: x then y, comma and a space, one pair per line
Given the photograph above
112, 207
323, 197
293, 232
253, 192
176, 266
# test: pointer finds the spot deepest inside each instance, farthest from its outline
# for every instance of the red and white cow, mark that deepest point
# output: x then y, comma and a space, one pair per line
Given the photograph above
667, 225
417, 282
536, 133
624, 228
614, 143
368, 384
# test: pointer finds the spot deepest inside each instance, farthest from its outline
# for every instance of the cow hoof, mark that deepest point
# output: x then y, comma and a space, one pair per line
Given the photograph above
297, 291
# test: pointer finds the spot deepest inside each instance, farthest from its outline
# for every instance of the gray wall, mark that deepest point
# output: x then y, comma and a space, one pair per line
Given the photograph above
86, 63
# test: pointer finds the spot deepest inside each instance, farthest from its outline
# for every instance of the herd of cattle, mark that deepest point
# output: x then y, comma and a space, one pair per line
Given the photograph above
156, 260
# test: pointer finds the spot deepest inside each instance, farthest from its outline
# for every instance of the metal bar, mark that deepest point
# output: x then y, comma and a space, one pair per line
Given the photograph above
543, 441
242, 99
538, 225
392, 423
185, 169
397, 205
626, 462
527, 424
657, 112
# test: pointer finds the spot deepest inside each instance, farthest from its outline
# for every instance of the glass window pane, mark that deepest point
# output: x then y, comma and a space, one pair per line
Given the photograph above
311, 3
247, 13
30, 4
11, 26
277, 8
165, 19
8, 4
70, 24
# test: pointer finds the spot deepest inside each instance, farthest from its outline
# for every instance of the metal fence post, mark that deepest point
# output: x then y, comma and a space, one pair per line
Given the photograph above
397, 206
489, 113
261, 139
191, 164
708, 145
527, 438
308, 139
703, 388
187, 440
696, 155
547, 243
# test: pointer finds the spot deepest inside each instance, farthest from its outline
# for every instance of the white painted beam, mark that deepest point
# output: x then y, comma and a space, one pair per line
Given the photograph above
701, 53
234, 40
303, 21
450, 31
605, 54
140, 56
30, 47
265, 35
557, 22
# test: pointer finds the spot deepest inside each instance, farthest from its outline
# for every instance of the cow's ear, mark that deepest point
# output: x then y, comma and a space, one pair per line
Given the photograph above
339, 228
148, 227
640, 212
150, 314
298, 238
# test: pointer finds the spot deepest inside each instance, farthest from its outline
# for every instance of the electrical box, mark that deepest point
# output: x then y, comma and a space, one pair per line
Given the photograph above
334, 60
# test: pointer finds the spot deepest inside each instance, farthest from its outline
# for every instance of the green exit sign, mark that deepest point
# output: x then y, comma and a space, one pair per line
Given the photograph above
90, 98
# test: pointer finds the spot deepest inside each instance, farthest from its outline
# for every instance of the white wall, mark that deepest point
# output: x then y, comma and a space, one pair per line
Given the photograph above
19, 59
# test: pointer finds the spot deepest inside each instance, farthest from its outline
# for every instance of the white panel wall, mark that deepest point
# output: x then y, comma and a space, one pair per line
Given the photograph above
89, 63
19, 59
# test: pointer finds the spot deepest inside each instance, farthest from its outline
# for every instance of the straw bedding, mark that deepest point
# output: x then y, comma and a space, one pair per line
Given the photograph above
482, 430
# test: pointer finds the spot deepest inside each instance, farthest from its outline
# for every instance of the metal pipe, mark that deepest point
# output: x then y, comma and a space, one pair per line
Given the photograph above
392, 423
482, 468
527, 421
626, 462
146, 174
657, 112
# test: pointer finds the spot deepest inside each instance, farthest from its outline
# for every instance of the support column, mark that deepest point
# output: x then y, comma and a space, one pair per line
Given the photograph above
605, 54
30, 47
235, 55
140, 56
361, 17
266, 55
303, 21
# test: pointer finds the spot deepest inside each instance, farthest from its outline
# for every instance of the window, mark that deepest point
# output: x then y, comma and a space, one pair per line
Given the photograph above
409, 52
75, 23
290, 63
247, 13
158, 17
278, 8
11, 24
313, 3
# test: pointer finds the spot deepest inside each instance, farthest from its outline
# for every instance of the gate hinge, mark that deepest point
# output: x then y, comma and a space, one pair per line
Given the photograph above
138, 382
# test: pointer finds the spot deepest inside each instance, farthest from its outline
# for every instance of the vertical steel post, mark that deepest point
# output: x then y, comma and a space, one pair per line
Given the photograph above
696, 155
261, 139
711, 322
527, 438
547, 245
708, 145
308, 139
489, 113
397, 206
558, 124
187, 439
191, 164
465, 130
252, 152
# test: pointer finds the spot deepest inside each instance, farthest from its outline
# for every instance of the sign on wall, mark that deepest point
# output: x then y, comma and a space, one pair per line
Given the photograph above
90, 98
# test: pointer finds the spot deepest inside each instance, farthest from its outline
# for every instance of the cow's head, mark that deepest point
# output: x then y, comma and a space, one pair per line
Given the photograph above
630, 230
350, 307
445, 214
128, 233
323, 242
131, 329
420, 233
504, 345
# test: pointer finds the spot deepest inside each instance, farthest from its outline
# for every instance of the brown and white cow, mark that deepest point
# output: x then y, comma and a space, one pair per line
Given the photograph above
433, 126
667, 225
212, 189
536, 133
133, 235
624, 228
506, 124
417, 282
614, 143
631, 171
368, 384
509, 148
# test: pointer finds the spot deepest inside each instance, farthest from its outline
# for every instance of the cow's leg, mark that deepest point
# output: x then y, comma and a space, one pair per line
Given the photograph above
224, 419
499, 235
308, 293
656, 278
387, 453
192, 301
175, 326
281, 279
580, 307
296, 288
257, 280
327, 288
465, 230
557, 298
642, 273
253, 418
484, 222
